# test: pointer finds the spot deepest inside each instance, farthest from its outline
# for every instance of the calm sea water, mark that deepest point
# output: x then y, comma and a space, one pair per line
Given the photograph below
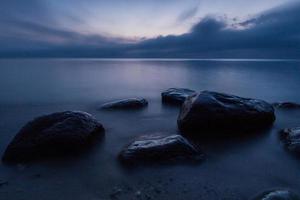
78, 81
234, 169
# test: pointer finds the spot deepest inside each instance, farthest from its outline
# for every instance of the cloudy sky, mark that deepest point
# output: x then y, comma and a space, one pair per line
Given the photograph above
144, 28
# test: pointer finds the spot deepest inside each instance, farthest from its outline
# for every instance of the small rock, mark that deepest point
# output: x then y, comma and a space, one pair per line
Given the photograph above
2, 183
221, 113
116, 192
176, 95
131, 103
291, 138
277, 195
159, 147
286, 105
53, 134
138, 194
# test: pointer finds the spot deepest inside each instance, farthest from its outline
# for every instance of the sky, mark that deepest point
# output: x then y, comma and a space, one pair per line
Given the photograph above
144, 28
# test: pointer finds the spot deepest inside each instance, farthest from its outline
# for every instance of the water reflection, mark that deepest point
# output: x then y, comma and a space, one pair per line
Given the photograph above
49, 81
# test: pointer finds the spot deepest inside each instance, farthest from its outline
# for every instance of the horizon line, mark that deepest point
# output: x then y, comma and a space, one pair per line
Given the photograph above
158, 59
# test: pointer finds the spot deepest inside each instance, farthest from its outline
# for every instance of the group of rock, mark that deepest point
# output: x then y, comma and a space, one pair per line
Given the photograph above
204, 114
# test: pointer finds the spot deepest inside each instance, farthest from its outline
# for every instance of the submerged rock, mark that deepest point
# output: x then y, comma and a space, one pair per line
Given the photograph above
156, 148
277, 195
53, 134
213, 112
291, 138
176, 95
131, 103
286, 105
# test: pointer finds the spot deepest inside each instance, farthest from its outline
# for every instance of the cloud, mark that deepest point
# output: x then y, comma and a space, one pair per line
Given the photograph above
187, 14
30, 29
273, 33
51, 37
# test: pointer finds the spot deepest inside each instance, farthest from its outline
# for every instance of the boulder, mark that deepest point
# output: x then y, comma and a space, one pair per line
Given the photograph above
286, 105
130, 103
157, 148
176, 95
291, 138
277, 195
53, 134
223, 113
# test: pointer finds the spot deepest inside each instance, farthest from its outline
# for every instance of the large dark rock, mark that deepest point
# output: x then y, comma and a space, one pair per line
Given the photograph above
286, 105
53, 134
277, 195
176, 95
291, 138
156, 148
131, 103
223, 113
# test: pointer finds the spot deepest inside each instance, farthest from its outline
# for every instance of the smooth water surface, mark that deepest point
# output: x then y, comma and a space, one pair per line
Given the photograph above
233, 169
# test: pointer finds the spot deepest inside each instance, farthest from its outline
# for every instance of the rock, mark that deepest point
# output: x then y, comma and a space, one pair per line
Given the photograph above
159, 148
176, 95
52, 134
138, 193
223, 113
277, 195
131, 103
291, 138
116, 192
286, 105
2, 183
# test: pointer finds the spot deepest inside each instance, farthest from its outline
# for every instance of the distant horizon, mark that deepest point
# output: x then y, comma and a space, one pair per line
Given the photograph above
159, 59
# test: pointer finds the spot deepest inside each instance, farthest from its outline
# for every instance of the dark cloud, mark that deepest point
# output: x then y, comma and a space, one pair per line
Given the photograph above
274, 33
33, 36
29, 28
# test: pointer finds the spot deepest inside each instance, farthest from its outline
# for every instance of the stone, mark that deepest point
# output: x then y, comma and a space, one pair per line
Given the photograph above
130, 103
157, 147
52, 134
2, 183
291, 138
277, 195
221, 113
286, 105
176, 95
